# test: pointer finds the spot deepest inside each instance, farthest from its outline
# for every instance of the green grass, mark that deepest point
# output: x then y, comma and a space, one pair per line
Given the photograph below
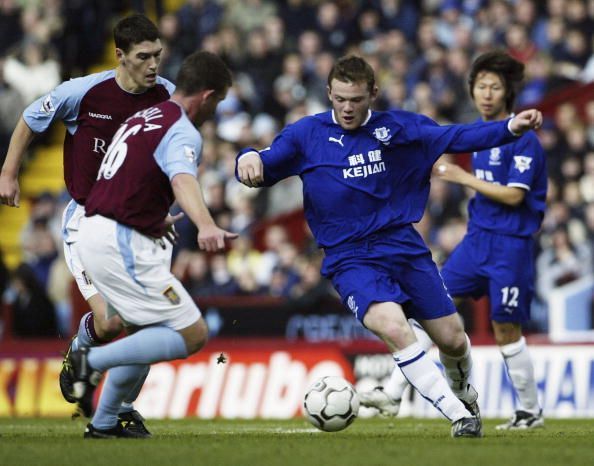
367, 442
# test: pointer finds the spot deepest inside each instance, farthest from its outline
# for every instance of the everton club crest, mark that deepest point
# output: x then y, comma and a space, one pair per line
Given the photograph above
382, 135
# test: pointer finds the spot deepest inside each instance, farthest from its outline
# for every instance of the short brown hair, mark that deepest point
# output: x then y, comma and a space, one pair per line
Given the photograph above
510, 70
133, 30
203, 70
352, 68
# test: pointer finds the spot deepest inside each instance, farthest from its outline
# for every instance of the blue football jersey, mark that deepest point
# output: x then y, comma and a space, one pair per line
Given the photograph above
358, 182
521, 164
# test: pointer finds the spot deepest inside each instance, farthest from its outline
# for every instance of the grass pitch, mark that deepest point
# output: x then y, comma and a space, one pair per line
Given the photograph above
367, 442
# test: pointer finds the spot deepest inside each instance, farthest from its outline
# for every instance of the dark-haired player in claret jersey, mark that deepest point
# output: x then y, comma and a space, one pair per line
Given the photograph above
152, 161
92, 108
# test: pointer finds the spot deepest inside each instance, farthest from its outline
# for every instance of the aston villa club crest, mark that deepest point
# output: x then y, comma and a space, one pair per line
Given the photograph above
382, 135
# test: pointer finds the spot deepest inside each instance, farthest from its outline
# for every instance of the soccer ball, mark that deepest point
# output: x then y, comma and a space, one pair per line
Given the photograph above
331, 404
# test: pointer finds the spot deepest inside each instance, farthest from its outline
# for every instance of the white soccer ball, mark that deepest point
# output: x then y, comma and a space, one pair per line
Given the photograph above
331, 404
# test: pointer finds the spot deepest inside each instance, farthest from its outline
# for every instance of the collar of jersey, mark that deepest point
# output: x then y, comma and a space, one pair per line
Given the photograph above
362, 124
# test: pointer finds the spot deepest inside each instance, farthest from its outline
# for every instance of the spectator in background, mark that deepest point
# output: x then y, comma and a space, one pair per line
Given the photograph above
33, 313
11, 106
32, 72
565, 261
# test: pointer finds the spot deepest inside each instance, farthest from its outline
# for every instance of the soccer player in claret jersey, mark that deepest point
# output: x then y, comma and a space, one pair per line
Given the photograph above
365, 181
152, 161
495, 258
92, 108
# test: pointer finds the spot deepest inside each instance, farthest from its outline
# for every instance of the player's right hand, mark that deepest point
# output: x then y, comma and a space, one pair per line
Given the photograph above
10, 193
250, 169
211, 238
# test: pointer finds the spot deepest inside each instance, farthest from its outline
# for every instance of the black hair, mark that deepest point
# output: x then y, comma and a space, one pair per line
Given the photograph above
510, 70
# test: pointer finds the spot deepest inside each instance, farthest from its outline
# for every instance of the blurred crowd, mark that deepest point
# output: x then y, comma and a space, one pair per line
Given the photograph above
281, 53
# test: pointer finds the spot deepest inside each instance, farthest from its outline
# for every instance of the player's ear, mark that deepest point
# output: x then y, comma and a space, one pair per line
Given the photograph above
374, 92
121, 56
329, 89
206, 94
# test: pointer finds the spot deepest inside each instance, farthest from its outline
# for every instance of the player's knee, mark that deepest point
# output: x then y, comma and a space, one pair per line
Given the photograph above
108, 329
196, 337
452, 342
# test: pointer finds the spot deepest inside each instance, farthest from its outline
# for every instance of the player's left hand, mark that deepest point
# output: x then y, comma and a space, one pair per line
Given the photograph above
525, 121
250, 169
171, 234
211, 238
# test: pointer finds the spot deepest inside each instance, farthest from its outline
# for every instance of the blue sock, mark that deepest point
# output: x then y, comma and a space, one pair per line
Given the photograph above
130, 398
86, 335
116, 387
147, 346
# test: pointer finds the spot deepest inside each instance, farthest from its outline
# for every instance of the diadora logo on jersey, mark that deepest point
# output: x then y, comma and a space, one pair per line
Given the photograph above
382, 135
522, 162
337, 141
100, 116
47, 106
360, 167
495, 156
190, 154
352, 304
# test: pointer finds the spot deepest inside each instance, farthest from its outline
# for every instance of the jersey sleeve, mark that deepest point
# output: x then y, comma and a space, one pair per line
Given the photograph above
179, 151
438, 139
527, 156
284, 156
62, 103
168, 84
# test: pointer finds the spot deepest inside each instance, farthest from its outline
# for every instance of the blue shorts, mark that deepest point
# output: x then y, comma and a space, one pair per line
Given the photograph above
498, 266
394, 265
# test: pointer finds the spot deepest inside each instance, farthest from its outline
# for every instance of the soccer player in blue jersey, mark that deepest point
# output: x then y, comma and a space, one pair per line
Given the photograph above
152, 161
92, 108
365, 181
495, 258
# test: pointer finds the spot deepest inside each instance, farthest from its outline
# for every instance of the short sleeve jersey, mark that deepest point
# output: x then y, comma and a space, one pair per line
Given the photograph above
133, 185
520, 164
92, 108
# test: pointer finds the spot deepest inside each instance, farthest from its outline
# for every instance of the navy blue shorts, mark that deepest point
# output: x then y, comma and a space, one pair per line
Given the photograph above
498, 266
392, 266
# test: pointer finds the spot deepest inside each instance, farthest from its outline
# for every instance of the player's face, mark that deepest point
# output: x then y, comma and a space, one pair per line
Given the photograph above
489, 96
140, 65
350, 102
209, 106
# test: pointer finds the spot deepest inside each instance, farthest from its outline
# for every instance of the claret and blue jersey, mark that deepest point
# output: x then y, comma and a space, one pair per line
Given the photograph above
520, 164
92, 108
361, 181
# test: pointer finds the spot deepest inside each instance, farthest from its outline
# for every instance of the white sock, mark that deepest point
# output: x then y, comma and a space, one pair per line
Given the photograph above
426, 378
457, 371
521, 372
397, 383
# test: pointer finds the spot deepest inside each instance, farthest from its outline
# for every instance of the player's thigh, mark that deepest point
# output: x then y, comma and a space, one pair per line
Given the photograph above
511, 281
460, 272
420, 280
132, 272
361, 284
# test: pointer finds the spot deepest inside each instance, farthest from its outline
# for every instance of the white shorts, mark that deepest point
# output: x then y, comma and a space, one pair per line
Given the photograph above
70, 224
133, 273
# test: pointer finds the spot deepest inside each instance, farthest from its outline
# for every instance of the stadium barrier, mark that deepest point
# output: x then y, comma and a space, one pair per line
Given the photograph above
267, 378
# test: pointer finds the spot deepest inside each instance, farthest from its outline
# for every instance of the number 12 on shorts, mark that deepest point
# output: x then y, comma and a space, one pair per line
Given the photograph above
509, 296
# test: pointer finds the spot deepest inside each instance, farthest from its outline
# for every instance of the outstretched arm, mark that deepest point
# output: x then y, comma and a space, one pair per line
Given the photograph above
9, 184
189, 196
477, 136
509, 195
